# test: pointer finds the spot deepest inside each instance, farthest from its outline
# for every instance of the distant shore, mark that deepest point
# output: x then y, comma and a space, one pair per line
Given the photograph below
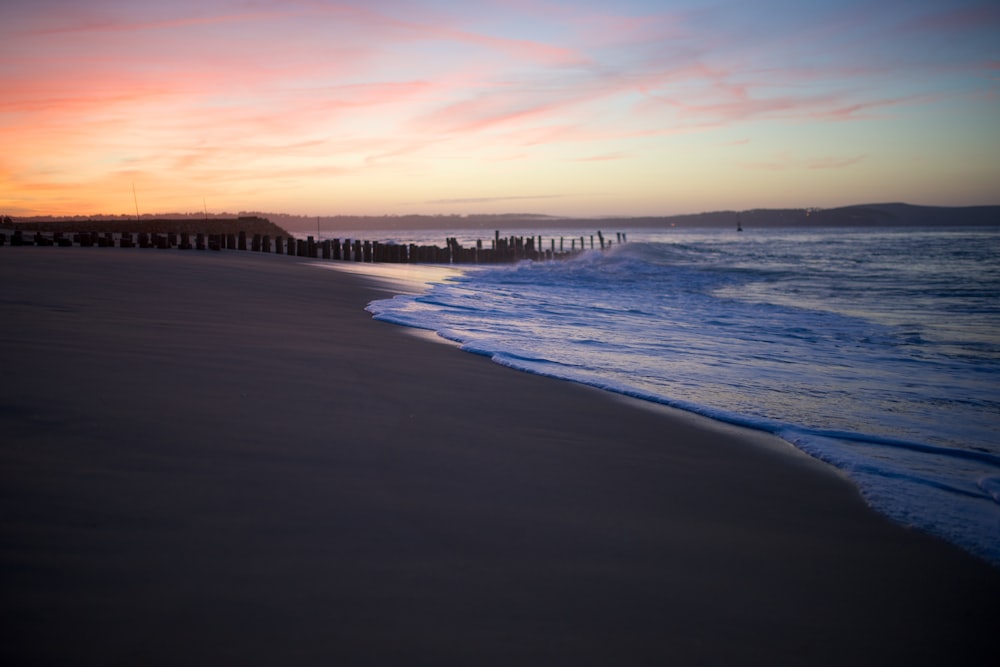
220, 458
867, 215
247, 224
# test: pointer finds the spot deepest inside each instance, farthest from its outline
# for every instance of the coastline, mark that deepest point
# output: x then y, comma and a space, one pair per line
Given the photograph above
224, 458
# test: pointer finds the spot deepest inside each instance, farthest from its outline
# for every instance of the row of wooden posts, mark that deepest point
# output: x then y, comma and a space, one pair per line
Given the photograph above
510, 249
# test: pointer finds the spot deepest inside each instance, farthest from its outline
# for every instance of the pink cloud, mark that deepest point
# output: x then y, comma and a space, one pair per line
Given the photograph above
546, 54
484, 112
699, 96
859, 110
374, 25
725, 104
115, 24
534, 109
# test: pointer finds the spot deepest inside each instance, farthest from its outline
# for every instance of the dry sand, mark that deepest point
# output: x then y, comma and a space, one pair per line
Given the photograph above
219, 458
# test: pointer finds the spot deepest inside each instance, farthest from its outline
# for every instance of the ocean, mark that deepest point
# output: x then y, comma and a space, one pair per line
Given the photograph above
876, 351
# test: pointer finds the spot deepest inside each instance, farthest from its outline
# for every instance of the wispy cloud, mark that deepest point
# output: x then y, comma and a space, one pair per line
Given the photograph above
785, 162
491, 200
115, 24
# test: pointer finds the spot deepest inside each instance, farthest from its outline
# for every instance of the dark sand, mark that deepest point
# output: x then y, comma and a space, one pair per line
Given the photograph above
219, 458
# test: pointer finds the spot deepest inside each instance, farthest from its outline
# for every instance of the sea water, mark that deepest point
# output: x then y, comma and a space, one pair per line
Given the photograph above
877, 351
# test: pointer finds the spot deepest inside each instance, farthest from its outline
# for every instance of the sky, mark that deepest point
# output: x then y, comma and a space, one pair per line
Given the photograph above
575, 108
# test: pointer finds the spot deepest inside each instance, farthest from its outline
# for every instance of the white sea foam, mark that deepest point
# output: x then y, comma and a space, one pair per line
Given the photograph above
876, 351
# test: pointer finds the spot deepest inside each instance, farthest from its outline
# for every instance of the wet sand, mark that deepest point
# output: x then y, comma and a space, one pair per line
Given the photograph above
219, 458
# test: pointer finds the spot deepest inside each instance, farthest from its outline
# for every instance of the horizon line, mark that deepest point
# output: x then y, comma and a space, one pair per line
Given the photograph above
492, 215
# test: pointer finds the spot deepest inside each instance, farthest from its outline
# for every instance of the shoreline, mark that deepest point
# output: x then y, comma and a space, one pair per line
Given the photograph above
911, 462
224, 458
413, 280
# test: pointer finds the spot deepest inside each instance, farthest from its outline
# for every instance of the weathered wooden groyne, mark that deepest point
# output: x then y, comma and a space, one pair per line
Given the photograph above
500, 249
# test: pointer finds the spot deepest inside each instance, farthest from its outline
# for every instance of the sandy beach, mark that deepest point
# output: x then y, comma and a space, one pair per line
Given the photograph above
220, 458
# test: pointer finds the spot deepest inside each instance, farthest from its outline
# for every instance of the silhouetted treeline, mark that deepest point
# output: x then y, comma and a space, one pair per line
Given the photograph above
190, 225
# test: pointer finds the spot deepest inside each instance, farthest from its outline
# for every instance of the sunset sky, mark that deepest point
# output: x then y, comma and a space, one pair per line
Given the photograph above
575, 108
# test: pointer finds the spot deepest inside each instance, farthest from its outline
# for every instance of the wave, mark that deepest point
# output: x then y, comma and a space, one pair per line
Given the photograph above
853, 357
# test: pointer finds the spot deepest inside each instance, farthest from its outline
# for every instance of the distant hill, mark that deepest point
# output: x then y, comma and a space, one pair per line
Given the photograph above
152, 225
867, 215
888, 215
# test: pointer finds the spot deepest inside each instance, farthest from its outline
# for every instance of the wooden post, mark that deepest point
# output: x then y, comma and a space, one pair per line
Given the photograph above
279, 245
242, 242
